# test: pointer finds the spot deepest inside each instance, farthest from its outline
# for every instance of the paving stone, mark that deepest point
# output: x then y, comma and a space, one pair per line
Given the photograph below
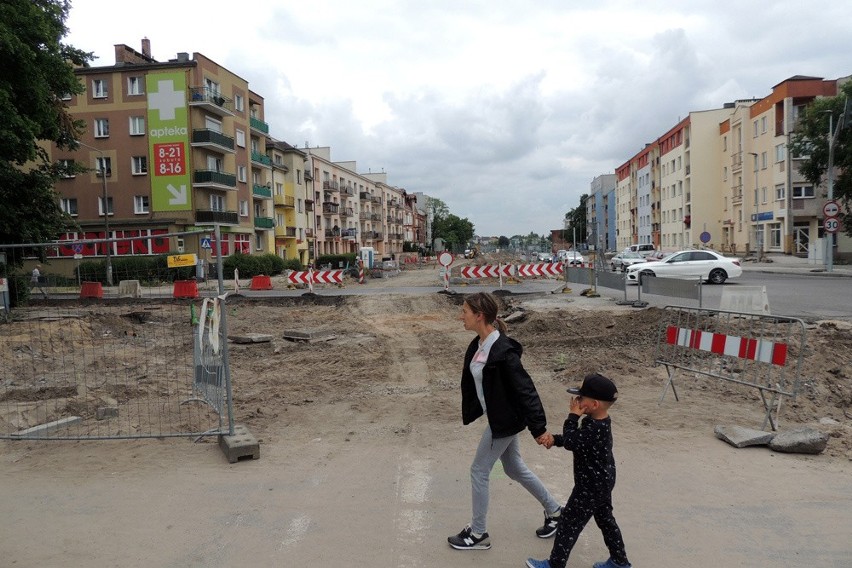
740, 437
251, 338
44, 429
800, 441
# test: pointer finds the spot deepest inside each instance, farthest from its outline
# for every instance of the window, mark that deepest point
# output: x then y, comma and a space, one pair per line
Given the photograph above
69, 205
99, 89
755, 129
241, 138
139, 165
214, 163
66, 166
779, 153
763, 125
217, 203
300, 205
140, 204
775, 235
239, 103
241, 173
763, 194
725, 173
279, 188
724, 143
299, 177
101, 206
803, 191
779, 192
244, 208
763, 160
212, 87
134, 86
103, 165
101, 127
258, 241
137, 125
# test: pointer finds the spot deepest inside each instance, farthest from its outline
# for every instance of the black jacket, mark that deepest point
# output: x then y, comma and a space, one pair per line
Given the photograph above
510, 396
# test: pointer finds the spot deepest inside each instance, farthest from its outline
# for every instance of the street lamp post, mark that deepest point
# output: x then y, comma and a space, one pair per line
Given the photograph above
758, 234
105, 197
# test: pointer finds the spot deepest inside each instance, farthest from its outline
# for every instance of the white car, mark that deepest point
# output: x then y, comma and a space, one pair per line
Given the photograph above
688, 264
570, 257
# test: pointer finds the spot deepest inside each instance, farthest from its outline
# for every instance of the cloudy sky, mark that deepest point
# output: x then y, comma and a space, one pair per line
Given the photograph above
504, 110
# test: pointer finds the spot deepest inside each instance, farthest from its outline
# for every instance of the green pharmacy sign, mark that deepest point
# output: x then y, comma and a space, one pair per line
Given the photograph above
168, 141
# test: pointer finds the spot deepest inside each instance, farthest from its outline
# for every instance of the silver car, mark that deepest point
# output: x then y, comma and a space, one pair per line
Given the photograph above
704, 264
623, 260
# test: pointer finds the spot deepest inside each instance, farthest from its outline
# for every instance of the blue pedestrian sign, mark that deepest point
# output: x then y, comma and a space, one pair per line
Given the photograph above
205, 243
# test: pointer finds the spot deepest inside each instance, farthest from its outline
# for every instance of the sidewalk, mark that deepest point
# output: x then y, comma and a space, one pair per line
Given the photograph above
793, 264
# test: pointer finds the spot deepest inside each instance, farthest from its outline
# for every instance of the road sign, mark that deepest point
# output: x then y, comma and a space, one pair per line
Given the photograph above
205, 243
445, 259
831, 224
831, 209
316, 277
705, 237
77, 247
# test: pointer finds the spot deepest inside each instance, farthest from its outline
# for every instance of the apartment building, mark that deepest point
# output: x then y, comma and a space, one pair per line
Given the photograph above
171, 146
723, 178
600, 212
294, 210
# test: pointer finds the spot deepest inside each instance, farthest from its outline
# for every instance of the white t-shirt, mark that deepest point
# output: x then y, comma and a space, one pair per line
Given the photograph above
478, 363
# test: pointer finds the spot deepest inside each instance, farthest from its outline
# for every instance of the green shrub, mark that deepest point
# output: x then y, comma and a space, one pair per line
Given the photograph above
335, 259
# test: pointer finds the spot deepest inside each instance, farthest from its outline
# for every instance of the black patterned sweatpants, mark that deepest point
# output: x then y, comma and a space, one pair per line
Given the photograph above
582, 505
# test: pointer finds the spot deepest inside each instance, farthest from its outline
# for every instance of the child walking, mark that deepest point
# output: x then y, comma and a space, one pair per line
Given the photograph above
594, 475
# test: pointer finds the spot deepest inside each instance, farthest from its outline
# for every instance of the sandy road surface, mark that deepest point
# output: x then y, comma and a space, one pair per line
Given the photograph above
365, 462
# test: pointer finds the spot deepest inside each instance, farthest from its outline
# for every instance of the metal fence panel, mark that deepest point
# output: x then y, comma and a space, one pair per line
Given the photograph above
106, 367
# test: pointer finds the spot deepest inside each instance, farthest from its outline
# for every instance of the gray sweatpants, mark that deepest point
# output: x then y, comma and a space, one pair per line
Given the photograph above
508, 451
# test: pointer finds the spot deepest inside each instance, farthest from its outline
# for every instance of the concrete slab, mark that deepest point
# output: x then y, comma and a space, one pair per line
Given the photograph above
740, 437
309, 336
251, 338
800, 441
241, 445
44, 429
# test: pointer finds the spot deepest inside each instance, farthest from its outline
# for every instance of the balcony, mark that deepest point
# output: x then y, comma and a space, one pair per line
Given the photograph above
347, 190
212, 140
376, 199
364, 196
258, 125
261, 191
330, 185
350, 234
287, 201
214, 179
264, 223
309, 204
347, 212
286, 232
207, 216
330, 208
332, 233
211, 101
309, 233
262, 159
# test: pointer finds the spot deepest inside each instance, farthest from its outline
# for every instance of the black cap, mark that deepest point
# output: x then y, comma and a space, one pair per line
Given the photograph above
598, 387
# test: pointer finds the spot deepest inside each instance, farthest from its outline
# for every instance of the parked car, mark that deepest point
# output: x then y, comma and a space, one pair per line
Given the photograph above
623, 260
644, 250
571, 257
545, 257
705, 264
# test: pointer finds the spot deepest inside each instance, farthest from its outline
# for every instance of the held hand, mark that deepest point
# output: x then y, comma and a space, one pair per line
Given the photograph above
545, 440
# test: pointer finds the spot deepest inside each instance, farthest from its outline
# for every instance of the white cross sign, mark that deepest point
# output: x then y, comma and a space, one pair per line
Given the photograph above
166, 99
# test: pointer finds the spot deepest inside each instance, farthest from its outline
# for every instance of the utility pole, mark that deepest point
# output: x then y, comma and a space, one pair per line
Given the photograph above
105, 198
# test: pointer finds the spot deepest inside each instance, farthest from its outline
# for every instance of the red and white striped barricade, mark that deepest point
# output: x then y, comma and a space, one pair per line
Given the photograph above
755, 350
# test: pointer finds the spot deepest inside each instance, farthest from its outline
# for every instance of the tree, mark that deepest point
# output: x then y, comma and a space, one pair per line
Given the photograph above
455, 232
575, 222
36, 71
503, 241
811, 139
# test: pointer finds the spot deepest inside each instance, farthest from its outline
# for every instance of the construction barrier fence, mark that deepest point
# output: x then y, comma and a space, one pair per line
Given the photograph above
760, 351
83, 361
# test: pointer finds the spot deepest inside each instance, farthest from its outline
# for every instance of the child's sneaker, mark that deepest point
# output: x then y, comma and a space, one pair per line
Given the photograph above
550, 522
533, 563
610, 563
465, 540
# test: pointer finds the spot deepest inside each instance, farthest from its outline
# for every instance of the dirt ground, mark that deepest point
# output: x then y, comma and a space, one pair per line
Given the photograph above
364, 460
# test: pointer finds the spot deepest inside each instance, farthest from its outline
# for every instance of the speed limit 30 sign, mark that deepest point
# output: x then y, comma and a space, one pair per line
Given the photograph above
831, 224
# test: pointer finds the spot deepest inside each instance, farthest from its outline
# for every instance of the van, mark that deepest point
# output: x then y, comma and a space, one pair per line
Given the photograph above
644, 250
